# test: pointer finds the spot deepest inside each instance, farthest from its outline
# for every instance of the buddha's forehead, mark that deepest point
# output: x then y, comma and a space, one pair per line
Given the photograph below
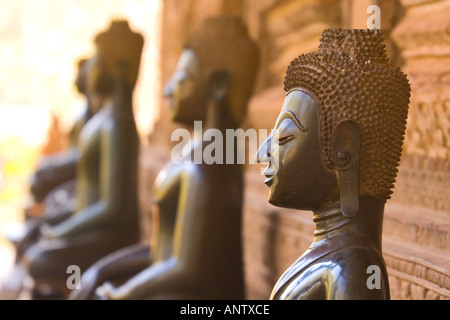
302, 105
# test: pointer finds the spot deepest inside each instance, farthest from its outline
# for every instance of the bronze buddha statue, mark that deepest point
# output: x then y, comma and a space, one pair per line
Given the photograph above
196, 249
106, 216
53, 183
56, 169
335, 150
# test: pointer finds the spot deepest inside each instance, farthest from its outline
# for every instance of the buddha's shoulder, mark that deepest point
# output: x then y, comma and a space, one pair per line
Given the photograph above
336, 275
175, 172
346, 259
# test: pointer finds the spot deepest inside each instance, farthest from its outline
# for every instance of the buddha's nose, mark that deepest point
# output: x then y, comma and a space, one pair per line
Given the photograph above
168, 89
263, 154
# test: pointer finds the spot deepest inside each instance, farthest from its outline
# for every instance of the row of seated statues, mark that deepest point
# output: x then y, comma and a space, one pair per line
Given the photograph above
334, 150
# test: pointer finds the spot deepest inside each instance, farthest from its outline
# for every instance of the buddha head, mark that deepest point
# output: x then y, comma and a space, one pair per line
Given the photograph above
80, 80
340, 132
219, 59
118, 49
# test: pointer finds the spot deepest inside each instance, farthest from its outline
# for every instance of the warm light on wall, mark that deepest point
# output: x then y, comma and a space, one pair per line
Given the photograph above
41, 42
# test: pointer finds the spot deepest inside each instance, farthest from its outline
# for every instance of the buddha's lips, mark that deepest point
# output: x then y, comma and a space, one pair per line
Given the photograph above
269, 180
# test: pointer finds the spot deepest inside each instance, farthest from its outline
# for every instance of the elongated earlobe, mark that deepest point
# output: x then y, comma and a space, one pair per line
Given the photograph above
219, 85
218, 90
346, 147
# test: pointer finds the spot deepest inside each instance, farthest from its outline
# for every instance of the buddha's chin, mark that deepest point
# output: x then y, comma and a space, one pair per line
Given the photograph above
176, 117
277, 203
172, 109
279, 199
274, 199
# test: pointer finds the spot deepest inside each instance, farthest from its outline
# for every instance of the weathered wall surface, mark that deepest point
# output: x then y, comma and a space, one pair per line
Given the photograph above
417, 218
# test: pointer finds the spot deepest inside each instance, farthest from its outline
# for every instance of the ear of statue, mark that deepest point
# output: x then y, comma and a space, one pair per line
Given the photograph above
346, 147
218, 90
219, 84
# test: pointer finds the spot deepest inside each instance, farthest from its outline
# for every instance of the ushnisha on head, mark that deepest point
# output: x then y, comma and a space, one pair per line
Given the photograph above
117, 47
351, 79
219, 44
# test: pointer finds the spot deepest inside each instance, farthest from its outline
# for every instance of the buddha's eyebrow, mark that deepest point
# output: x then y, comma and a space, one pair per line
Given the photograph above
293, 117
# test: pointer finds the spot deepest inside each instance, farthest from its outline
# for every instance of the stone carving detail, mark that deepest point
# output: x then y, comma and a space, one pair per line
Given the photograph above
423, 182
405, 290
411, 281
418, 216
422, 36
428, 132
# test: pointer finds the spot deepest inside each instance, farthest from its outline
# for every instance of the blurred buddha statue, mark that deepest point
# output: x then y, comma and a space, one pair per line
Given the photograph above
56, 169
53, 184
196, 249
335, 150
106, 216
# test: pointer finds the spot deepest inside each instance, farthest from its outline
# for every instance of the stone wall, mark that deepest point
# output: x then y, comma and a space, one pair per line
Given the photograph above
417, 219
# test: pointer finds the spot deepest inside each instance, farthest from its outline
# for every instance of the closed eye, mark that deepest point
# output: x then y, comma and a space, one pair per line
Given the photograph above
285, 139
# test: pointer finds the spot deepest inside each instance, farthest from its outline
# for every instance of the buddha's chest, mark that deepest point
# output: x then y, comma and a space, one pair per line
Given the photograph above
91, 135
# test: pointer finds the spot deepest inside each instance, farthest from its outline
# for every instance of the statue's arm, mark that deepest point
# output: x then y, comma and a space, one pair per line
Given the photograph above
61, 160
114, 148
120, 264
179, 271
161, 277
56, 169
